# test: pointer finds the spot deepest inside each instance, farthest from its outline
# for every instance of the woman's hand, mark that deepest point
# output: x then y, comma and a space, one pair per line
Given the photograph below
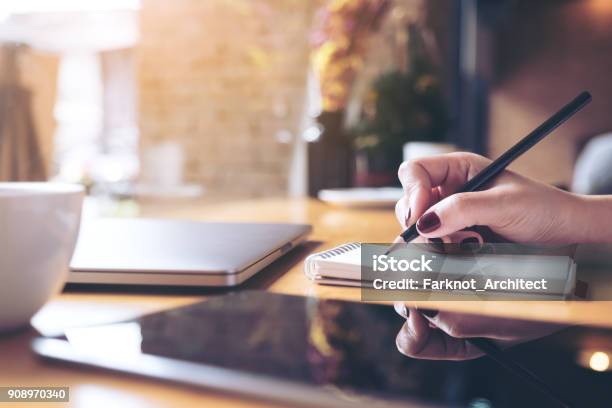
433, 335
516, 208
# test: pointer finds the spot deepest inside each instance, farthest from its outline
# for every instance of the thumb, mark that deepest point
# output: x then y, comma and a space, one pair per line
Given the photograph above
460, 211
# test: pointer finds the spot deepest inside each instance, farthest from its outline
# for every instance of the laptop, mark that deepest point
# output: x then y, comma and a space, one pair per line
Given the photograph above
178, 253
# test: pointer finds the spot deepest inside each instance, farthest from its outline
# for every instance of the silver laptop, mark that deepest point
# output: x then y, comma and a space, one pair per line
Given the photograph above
184, 253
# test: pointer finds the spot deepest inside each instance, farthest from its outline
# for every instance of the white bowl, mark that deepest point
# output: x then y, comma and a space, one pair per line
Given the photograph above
39, 224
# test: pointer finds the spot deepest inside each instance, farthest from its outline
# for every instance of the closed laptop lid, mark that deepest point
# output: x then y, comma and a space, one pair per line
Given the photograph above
155, 245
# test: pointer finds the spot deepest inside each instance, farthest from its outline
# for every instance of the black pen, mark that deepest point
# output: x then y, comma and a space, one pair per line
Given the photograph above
496, 167
491, 350
496, 354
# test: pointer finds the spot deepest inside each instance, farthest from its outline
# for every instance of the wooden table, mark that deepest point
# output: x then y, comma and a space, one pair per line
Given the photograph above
332, 226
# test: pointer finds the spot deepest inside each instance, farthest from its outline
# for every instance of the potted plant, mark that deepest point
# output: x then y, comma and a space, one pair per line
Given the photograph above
404, 111
340, 41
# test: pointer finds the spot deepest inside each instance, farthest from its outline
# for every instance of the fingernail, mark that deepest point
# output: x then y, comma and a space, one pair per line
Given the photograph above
428, 222
429, 312
469, 243
407, 218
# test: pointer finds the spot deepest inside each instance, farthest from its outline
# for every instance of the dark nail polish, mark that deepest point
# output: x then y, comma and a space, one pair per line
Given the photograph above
429, 312
469, 243
428, 222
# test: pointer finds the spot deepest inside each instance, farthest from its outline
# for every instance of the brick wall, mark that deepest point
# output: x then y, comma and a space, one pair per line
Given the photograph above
222, 78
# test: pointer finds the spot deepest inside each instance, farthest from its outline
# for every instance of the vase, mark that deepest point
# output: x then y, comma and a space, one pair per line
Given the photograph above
330, 156
374, 169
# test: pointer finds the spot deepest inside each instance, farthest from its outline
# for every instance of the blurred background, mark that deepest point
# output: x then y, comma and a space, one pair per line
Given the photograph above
251, 98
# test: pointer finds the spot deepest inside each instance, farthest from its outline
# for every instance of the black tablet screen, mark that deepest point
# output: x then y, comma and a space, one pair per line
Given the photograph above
351, 346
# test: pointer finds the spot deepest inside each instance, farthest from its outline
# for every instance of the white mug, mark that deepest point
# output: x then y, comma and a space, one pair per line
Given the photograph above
39, 224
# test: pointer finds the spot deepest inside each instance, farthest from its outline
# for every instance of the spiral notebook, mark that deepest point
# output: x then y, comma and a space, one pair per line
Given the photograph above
338, 266
341, 266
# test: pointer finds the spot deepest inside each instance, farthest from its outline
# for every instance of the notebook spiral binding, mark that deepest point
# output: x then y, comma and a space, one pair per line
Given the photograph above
309, 265
340, 250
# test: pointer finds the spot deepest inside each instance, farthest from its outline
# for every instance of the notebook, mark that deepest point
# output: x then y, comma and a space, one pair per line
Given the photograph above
341, 266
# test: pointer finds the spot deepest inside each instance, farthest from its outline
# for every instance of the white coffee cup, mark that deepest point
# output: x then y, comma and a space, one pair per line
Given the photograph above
39, 224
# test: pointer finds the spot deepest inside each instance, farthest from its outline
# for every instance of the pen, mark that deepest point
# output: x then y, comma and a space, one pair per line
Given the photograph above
496, 167
491, 350
497, 355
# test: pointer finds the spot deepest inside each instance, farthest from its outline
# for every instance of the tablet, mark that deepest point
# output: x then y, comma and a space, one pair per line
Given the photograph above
314, 352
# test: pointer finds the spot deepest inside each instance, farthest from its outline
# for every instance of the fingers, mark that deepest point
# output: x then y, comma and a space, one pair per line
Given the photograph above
465, 326
441, 335
403, 213
461, 325
462, 210
418, 339
418, 194
400, 309
452, 170
507, 330
428, 179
